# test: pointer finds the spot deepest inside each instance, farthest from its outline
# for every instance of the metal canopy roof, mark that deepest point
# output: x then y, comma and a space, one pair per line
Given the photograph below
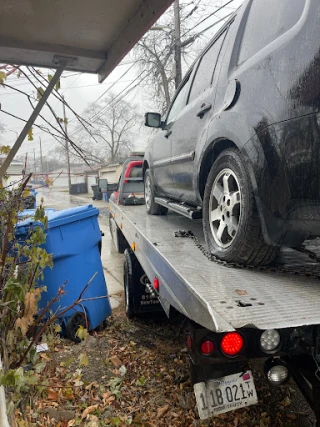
95, 35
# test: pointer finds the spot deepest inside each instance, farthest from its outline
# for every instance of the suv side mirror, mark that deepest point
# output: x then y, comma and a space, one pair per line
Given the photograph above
153, 120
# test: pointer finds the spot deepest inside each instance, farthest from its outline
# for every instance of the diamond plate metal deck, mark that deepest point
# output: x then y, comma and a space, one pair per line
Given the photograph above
217, 297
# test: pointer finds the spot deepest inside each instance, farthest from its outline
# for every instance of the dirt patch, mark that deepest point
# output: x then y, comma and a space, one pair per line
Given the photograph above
137, 373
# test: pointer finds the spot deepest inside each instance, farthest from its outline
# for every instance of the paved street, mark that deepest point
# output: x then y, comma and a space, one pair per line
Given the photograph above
111, 260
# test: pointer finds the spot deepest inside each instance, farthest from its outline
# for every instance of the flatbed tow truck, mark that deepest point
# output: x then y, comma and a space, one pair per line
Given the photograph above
234, 313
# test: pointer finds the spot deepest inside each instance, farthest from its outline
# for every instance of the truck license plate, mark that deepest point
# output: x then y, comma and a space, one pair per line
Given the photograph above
225, 394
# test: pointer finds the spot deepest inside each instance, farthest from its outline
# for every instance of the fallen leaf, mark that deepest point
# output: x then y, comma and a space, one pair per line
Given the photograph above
292, 416
123, 370
162, 411
115, 361
286, 401
53, 395
89, 410
83, 360
241, 292
93, 384
141, 381
82, 332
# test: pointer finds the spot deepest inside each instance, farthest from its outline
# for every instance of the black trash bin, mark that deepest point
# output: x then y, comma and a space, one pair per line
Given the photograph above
97, 195
111, 189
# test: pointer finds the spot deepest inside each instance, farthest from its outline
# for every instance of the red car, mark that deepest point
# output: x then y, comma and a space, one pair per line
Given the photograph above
130, 184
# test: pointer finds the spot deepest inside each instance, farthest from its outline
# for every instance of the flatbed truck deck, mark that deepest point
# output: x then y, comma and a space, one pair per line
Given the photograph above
217, 297
281, 300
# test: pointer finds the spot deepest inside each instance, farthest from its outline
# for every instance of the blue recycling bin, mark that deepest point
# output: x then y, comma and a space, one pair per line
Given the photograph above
73, 237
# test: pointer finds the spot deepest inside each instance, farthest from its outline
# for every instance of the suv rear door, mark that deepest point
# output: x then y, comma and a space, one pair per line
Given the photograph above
190, 124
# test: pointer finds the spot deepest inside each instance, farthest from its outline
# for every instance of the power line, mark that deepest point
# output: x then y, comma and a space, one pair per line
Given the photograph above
109, 88
207, 17
214, 24
76, 87
98, 114
71, 84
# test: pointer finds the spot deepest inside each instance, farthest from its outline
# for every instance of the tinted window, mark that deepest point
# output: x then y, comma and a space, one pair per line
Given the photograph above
180, 101
136, 172
267, 20
204, 74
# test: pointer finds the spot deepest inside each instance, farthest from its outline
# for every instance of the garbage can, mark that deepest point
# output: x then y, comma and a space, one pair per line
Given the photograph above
97, 195
73, 237
111, 188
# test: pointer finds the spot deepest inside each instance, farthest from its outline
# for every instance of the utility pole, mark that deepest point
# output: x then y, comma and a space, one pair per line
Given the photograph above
34, 165
41, 156
67, 142
25, 164
177, 43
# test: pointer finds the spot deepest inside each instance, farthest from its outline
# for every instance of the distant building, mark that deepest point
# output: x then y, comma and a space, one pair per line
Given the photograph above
14, 171
111, 172
79, 175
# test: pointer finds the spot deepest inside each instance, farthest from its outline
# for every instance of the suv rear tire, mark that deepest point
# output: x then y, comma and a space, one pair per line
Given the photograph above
231, 222
152, 207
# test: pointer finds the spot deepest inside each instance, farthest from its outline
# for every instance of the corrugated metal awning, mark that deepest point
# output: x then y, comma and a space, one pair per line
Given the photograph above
94, 35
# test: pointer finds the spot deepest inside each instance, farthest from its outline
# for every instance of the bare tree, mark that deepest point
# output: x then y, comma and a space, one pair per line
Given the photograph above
155, 53
39, 82
113, 121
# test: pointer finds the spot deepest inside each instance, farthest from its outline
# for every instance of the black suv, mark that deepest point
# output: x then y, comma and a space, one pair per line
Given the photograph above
240, 144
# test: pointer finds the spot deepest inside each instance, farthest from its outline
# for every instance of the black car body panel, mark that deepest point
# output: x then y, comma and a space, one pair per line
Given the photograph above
263, 98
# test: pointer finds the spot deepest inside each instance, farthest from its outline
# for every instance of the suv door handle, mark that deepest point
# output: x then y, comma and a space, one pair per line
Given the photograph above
169, 132
203, 110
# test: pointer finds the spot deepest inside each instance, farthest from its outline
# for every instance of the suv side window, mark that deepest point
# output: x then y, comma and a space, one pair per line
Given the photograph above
206, 68
268, 20
180, 101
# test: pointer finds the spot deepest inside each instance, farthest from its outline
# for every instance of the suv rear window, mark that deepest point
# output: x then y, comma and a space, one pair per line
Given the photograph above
204, 74
268, 20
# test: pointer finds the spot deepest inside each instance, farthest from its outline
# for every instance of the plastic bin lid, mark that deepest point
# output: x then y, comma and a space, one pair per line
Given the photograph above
66, 216
56, 218
26, 219
30, 212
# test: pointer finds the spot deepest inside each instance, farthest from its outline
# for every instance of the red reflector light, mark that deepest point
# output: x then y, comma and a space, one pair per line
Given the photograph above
232, 343
207, 347
189, 342
156, 283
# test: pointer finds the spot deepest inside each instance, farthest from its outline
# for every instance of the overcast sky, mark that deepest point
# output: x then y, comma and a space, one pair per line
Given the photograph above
81, 90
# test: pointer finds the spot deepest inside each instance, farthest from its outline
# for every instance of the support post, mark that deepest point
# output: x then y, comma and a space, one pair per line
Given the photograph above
41, 157
177, 44
34, 165
67, 143
32, 119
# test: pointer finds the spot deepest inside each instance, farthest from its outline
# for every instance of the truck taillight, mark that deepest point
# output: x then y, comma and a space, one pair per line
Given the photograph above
232, 344
207, 347
189, 342
156, 283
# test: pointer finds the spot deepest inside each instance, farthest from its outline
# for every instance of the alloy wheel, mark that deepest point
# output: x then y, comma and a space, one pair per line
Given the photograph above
225, 208
147, 192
